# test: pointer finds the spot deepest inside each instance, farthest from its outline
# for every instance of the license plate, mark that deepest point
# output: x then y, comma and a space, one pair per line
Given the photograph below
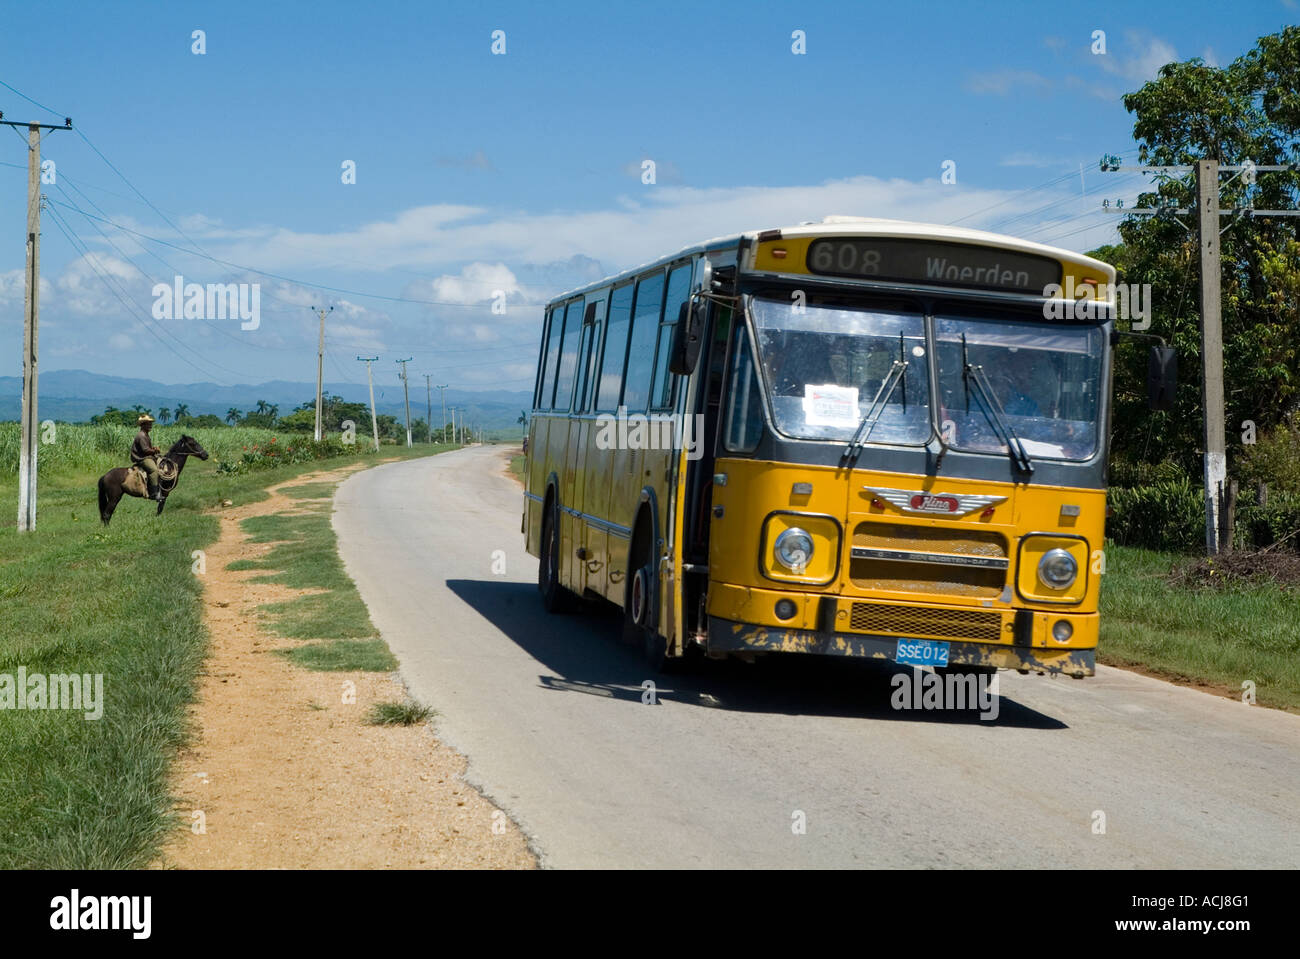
921, 652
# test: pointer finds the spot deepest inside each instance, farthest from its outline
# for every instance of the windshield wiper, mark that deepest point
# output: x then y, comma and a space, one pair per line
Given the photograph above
975, 374
897, 375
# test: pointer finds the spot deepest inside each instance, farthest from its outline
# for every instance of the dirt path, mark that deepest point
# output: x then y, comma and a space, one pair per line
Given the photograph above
286, 774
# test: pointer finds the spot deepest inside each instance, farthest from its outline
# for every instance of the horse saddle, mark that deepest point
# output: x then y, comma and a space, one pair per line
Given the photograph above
138, 483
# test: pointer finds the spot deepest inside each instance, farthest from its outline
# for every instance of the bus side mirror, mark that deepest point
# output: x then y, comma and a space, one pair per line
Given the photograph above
1162, 377
687, 337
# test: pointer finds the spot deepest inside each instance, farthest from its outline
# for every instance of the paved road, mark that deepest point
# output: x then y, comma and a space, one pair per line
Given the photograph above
549, 711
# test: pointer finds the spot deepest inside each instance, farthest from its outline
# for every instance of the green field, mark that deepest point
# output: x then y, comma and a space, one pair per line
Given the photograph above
121, 601
1244, 633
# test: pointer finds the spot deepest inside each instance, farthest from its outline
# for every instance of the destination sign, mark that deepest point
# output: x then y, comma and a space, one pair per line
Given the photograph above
928, 261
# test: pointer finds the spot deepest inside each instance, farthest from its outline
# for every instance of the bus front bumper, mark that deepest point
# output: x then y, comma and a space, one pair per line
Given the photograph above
728, 636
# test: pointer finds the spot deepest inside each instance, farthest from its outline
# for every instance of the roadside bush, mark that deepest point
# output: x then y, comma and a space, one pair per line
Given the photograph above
299, 449
1261, 526
1274, 459
1168, 516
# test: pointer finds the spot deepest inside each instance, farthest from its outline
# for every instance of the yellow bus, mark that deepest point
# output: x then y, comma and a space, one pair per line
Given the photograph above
858, 437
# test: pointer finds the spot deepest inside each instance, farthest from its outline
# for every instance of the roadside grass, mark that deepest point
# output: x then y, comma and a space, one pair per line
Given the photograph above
343, 655
518, 465
1221, 637
122, 602
304, 555
407, 713
310, 491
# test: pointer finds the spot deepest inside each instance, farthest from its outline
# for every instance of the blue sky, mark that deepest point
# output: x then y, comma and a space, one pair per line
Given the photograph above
521, 172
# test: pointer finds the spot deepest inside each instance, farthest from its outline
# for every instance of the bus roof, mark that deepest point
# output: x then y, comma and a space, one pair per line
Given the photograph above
852, 226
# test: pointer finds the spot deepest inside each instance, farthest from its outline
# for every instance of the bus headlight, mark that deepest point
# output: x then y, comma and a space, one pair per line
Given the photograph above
793, 549
1057, 569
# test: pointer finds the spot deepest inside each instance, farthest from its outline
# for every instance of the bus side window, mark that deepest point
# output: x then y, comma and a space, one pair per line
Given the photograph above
568, 365
595, 317
641, 349
744, 404
546, 387
679, 288
611, 363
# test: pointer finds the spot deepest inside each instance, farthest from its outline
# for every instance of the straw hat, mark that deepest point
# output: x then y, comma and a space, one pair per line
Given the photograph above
144, 418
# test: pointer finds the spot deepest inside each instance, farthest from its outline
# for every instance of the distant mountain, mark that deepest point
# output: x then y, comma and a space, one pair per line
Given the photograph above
76, 395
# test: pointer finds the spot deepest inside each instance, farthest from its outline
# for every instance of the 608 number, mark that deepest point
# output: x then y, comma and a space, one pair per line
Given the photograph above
845, 258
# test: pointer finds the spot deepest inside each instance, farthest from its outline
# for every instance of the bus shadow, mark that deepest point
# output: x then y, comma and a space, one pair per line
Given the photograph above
584, 654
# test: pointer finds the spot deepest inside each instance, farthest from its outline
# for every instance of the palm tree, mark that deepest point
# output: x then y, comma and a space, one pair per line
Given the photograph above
164, 414
261, 407
182, 411
523, 421
233, 416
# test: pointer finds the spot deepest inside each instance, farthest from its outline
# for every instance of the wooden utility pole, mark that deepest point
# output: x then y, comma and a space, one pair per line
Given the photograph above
442, 392
370, 376
1218, 531
407, 393
1215, 428
320, 368
27, 453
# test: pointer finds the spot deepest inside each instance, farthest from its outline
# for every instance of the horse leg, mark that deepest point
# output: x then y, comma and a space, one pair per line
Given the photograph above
108, 499
161, 503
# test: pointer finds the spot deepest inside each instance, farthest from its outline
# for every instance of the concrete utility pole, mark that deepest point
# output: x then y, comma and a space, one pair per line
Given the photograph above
370, 376
1214, 428
407, 393
453, 425
27, 453
442, 393
428, 405
320, 368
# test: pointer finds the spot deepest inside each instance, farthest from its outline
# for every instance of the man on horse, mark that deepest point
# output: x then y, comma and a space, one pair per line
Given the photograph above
143, 454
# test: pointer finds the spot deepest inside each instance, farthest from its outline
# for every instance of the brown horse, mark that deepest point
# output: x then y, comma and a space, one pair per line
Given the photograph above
130, 480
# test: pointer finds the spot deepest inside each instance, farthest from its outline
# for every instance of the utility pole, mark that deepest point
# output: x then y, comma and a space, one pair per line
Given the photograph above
453, 426
428, 405
320, 368
1215, 428
407, 393
370, 376
27, 453
1208, 211
442, 392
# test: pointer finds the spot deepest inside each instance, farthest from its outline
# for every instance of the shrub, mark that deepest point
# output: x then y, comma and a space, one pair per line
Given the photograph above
1168, 516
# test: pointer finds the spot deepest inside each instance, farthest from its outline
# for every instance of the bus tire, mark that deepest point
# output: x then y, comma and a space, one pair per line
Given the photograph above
555, 598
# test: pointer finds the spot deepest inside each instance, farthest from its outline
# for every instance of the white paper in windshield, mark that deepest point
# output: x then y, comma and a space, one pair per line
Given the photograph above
1036, 448
830, 405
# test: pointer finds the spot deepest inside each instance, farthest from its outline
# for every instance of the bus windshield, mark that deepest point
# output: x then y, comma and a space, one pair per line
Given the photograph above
825, 365
1046, 378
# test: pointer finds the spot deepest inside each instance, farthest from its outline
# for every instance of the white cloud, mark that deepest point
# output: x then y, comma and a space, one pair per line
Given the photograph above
1025, 158
1002, 82
1148, 54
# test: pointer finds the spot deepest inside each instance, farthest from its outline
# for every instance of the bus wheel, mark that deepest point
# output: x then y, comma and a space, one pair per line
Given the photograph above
555, 598
638, 611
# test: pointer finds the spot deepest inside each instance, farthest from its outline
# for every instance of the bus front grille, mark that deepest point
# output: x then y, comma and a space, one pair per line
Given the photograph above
967, 624
913, 567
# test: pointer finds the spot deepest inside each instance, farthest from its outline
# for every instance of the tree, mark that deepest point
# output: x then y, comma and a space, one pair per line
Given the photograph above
1248, 110
182, 411
233, 416
164, 414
